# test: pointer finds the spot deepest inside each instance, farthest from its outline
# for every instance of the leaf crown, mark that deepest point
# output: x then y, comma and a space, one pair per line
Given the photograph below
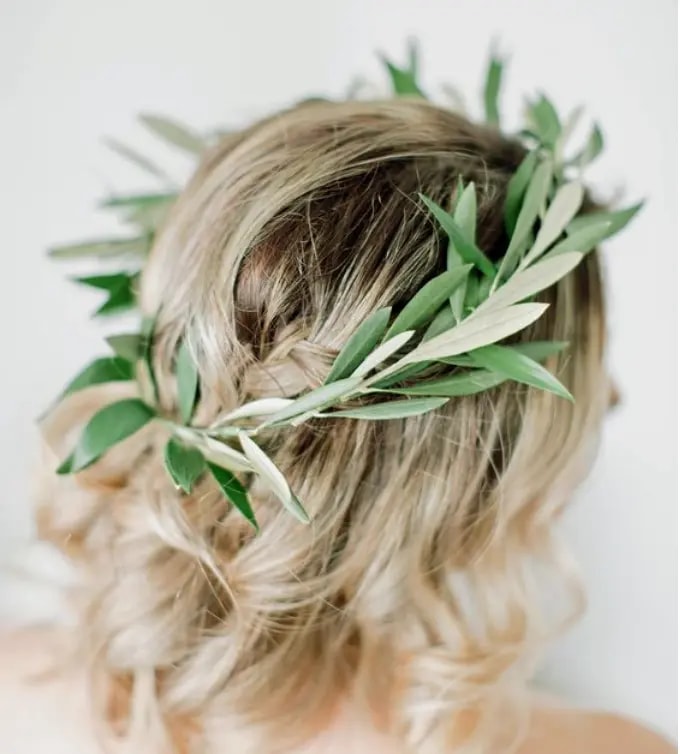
456, 319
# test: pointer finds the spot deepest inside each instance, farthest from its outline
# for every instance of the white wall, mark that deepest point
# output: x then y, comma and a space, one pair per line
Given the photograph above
74, 70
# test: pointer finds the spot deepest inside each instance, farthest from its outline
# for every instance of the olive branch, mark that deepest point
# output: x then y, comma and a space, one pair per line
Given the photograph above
456, 321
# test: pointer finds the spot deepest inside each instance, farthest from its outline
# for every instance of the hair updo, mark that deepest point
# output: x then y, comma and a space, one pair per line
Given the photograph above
413, 590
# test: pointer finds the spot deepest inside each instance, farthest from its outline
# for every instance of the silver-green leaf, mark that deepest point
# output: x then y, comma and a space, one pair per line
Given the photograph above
186, 372
360, 344
184, 463
391, 409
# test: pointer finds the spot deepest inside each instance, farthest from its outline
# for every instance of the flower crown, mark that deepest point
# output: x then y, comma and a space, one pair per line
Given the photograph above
456, 319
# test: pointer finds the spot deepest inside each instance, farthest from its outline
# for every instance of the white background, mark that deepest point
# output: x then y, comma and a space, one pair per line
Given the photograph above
72, 71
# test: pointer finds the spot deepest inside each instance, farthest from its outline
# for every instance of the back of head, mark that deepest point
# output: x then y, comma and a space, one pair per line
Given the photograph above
410, 590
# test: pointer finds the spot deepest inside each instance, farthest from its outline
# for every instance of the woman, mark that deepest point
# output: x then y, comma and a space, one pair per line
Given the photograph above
407, 616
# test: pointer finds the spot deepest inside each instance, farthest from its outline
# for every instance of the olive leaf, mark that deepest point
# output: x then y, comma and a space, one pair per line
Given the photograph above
618, 219
110, 247
444, 320
514, 365
138, 159
184, 463
314, 399
457, 385
539, 350
362, 342
109, 426
492, 85
545, 121
391, 409
105, 369
468, 250
120, 287
126, 345
424, 305
561, 211
592, 149
517, 187
474, 332
404, 80
259, 407
532, 203
269, 473
186, 372
522, 285
234, 491
174, 133
146, 210
583, 240
382, 353
146, 339
465, 215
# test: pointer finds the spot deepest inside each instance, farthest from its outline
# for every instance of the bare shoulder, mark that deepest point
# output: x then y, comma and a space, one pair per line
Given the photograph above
44, 707
567, 731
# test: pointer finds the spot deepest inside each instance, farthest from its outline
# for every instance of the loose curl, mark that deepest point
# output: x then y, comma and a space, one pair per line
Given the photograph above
415, 592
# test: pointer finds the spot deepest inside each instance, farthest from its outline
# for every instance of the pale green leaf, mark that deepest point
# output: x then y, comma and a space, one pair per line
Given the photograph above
360, 344
618, 219
522, 285
383, 352
215, 451
534, 199
235, 492
583, 240
539, 350
315, 399
184, 463
465, 214
108, 248
259, 407
476, 331
391, 409
187, 382
457, 385
138, 159
174, 133
545, 120
424, 305
126, 345
492, 87
591, 150
468, 250
517, 187
267, 470
568, 129
106, 369
517, 366
109, 426
403, 374
561, 212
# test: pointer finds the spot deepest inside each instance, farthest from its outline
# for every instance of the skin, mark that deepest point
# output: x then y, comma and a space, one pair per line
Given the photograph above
51, 716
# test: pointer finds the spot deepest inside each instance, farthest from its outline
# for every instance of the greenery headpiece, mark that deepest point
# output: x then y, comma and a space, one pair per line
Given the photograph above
457, 318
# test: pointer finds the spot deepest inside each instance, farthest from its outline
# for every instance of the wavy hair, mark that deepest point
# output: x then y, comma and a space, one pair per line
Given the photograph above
417, 590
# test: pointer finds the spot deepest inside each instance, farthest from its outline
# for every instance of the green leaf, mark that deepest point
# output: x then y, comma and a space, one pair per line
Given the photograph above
112, 247
187, 382
583, 240
106, 428
465, 214
146, 210
126, 345
492, 87
106, 369
106, 282
315, 399
568, 128
468, 250
174, 133
519, 367
592, 149
138, 159
469, 383
539, 350
382, 353
479, 329
403, 374
404, 80
360, 344
517, 186
561, 212
444, 320
544, 117
391, 409
147, 335
184, 463
618, 219
522, 285
532, 204
267, 470
259, 407
234, 491
424, 305
121, 297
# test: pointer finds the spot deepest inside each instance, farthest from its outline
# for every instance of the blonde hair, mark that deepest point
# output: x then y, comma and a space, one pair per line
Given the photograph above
415, 589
